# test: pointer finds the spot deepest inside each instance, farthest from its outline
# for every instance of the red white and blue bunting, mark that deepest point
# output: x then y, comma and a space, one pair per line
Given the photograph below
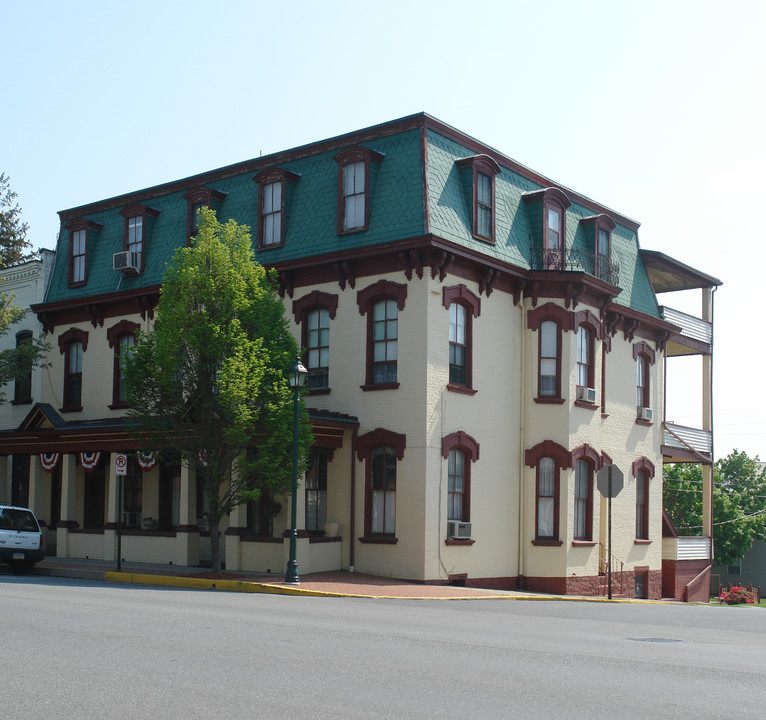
147, 459
89, 460
202, 457
49, 461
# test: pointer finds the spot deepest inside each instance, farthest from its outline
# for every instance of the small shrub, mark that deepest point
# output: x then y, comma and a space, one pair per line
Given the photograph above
738, 595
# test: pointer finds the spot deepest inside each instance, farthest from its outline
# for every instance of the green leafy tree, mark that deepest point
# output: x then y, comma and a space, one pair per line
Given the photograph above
207, 385
14, 246
739, 503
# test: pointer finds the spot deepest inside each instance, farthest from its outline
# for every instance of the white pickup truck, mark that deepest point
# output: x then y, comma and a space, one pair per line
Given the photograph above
21, 541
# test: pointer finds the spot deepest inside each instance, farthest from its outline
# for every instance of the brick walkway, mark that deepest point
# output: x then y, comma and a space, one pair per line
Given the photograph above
335, 582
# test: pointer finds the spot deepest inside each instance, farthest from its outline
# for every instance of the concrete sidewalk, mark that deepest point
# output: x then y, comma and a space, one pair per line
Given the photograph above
336, 583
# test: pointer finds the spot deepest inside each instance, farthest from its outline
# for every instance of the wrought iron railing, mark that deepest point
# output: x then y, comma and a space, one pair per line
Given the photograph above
575, 260
605, 560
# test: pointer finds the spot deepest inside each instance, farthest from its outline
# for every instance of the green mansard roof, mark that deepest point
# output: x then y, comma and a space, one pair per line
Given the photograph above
416, 190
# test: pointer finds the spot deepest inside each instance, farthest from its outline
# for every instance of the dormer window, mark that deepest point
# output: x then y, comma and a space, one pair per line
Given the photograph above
354, 179
273, 187
80, 232
598, 234
547, 218
197, 198
136, 221
478, 179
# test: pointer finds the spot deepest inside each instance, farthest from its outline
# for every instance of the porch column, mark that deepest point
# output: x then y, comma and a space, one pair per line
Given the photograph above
36, 482
707, 418
237, 528
5, 481
68, 503
187, 532
112, 507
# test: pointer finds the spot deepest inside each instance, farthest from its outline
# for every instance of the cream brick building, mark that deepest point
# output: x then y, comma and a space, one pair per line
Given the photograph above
481, 342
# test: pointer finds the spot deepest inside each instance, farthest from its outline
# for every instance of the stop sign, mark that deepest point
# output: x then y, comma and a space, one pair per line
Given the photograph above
603, 477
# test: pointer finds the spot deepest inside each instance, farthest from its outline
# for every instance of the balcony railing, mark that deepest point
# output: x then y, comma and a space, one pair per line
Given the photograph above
691, 327
688, 438
575, 260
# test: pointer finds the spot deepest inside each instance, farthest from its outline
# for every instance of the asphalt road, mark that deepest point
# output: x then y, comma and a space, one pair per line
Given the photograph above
77, 649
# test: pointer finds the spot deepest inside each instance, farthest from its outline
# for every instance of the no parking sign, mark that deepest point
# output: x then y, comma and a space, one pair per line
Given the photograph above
121, 464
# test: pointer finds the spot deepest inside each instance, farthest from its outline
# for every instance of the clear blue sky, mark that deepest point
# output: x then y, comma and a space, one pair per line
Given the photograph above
654, 109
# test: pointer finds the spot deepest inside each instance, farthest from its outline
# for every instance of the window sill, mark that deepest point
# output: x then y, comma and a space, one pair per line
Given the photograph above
645, 423
25, 401
379, 386
583, 543
488, 240
379, 539
319, 391
549, 400
642, 541
118, 406
351, 231
74, 408
467, 541
548, 543
586, 405
271, 246
462, 389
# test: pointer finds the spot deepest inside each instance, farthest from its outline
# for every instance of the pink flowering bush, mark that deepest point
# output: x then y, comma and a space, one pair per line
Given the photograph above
738, 595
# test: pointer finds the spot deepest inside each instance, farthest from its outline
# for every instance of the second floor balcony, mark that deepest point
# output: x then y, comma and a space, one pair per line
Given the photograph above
696, 336
683, 444
575, 260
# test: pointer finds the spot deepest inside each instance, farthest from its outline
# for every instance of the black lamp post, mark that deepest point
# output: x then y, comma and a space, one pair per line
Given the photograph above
297, 377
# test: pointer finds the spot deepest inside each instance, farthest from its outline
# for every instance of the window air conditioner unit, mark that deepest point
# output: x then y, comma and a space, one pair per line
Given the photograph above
645, 413
132, 519
586, 394
127, 262
458, 530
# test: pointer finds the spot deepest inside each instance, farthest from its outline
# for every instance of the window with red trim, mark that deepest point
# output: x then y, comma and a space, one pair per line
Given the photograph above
354, 179
457, 486
121, 338
549, 368
460, 450
584, 357
80, 231
547, 516
72, 345
272, 206
583, 501
136, 219
314, 312
463, 306
642, 505
550, 320
381, 450
197, 198
381, 302
483, 170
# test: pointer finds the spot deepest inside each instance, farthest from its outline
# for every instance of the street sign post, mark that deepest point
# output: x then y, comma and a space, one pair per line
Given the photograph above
609, 481
121, 470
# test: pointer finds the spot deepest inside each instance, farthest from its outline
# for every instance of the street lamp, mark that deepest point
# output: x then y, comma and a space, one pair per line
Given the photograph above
297, 376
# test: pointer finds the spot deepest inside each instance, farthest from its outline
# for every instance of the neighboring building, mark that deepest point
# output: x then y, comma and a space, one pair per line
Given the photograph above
480, 341
27, 282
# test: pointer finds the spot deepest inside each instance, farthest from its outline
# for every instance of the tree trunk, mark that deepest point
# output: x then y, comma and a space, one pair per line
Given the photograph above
215, 545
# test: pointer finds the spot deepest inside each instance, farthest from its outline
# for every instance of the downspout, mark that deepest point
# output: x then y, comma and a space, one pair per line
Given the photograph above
352, 514
522, 444
712, 428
